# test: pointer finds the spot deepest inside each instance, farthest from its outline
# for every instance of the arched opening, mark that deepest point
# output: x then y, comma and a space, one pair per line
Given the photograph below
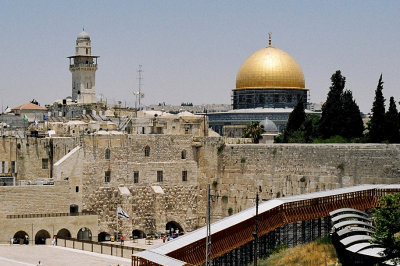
183, 154
21, 237
103, 236
41, 236
84, 234
64, 233
173, 228
136, 234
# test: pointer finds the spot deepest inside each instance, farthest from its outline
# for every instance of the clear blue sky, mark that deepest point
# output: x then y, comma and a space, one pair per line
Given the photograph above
191, 50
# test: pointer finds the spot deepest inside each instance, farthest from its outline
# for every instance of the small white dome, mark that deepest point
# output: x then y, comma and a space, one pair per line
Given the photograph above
83, 36
268, 125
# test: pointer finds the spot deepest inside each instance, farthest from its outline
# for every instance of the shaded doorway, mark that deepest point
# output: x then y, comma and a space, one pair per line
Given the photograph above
64, 233
84, 234
41, 236
172, 228
103, 236
21, 237
136, 234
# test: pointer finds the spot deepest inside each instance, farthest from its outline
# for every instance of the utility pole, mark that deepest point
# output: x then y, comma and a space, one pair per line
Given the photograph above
208, 238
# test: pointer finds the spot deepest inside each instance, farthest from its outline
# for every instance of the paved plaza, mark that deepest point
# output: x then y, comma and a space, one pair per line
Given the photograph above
54, 256
60, 256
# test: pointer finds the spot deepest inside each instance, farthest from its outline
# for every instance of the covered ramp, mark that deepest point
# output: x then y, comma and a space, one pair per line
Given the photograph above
232, 233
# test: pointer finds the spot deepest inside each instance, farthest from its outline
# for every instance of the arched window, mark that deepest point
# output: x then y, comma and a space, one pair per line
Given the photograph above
183, 154
147, 151
107, 154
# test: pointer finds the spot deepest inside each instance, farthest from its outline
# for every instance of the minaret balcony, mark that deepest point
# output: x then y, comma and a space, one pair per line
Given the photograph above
83, 66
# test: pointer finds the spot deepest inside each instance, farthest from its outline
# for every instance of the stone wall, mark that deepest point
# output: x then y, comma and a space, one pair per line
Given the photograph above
28, 153
237, 171
35, 199
149, 211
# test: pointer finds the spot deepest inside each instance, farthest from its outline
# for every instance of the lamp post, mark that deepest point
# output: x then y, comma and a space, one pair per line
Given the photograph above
255, 234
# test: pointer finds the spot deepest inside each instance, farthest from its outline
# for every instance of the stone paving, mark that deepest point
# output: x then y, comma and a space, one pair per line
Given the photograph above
55, 256
60, 256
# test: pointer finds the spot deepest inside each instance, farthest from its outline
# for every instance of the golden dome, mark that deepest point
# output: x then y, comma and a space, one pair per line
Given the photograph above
270, 68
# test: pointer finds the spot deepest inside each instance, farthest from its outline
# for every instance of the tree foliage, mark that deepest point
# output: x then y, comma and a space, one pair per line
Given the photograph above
331, 119
376, 125
254, 131
392, 126
387, 221
352, 124
296, 119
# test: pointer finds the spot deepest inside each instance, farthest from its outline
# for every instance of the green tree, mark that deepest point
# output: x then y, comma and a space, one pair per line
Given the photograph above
376, 125
330, 123
392, 123
296, 119
352, 124
387, 221
253, 131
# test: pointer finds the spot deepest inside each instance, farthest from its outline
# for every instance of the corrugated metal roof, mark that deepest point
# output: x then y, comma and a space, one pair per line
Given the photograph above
346, 210
373, 252
160, 259
354, 239
354, 230
341, 225
352, 216
360, 246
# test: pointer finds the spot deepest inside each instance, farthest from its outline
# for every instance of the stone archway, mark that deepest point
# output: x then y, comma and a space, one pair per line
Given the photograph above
84, 234
21, 237
64, 233
103, 236
138, 234
41, 236
173, 227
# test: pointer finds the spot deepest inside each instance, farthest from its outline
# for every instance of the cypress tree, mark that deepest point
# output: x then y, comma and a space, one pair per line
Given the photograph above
352, 126
330, 123
392, 123
296, 119
376, 125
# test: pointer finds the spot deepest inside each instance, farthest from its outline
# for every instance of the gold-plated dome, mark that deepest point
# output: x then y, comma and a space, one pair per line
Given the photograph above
270, 68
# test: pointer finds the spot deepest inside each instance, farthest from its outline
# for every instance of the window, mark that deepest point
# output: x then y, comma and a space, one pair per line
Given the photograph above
3, 166
183, 154
107, 176
13, 167
184, 175
107, 154
147, 151
77, 189
136, 177
45, 163
159, 176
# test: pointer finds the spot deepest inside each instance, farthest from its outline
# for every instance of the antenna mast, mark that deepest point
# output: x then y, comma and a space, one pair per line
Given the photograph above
140, 78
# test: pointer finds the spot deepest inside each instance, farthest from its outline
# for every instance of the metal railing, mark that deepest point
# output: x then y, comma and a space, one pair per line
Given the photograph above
40, 215
98, 247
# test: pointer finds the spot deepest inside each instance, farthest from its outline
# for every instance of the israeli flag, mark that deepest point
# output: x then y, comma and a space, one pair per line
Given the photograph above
120, 212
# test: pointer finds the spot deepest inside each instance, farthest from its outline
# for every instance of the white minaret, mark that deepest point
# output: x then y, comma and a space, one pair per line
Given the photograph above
83, 67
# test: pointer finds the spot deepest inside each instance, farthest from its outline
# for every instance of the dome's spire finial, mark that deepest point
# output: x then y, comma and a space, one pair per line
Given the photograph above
83, 28
269, 38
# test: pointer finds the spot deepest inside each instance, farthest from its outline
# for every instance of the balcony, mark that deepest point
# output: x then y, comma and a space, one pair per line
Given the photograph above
78, 66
